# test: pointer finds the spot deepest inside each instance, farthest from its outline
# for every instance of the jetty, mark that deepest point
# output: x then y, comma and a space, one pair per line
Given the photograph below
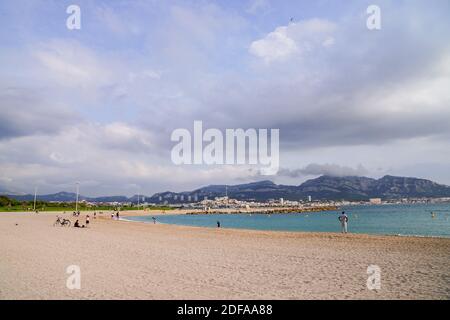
268, 210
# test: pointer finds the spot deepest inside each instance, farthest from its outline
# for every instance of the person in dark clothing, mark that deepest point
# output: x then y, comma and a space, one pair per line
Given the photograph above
218, 224
77, 225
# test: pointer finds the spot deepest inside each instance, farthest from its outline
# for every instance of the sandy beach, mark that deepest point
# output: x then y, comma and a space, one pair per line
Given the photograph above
129, 260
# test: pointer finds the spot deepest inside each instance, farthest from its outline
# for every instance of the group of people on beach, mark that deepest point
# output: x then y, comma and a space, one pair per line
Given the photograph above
115, 215
76, 213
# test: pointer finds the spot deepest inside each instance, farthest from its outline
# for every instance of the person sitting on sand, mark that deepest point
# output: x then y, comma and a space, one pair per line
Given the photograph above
77, 225
343, 219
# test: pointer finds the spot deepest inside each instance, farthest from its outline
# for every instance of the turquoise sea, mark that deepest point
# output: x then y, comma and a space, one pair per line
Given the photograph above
381, 219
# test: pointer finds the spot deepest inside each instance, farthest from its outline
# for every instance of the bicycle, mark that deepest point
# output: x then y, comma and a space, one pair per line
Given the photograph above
62, 222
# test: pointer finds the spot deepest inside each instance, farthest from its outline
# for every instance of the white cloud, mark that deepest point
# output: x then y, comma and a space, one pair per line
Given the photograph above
68, 63
275, 46
294, 39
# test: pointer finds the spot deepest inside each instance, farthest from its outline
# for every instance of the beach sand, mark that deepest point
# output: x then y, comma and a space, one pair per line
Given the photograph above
129, 260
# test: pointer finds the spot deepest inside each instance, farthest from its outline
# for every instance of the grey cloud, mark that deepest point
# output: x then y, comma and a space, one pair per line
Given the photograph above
314, 169
321, 98
361, 90
24, 112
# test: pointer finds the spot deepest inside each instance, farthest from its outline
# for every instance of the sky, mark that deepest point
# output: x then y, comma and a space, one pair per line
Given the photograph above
98, 105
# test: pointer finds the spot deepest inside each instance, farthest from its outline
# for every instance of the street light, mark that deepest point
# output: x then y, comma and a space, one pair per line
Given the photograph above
76, 202
35, 192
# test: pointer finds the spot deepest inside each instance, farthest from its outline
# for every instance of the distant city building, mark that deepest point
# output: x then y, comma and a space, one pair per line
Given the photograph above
281, 201
309, 198
375, 200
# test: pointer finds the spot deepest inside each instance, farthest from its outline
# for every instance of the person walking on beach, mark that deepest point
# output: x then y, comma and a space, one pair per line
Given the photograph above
218, 224
117, 215
154, 220
87, 220
343, 219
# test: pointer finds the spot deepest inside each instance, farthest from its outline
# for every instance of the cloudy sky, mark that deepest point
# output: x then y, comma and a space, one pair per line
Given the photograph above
98, 105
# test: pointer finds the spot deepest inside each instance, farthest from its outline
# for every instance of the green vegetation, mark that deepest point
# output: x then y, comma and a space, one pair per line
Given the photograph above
7, 202
11, 205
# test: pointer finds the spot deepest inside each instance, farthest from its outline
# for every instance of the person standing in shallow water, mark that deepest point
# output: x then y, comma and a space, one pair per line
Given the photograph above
218, 224
344, 220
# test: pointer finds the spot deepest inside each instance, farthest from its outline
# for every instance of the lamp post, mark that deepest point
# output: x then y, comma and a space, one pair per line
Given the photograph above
76, 202
35, 193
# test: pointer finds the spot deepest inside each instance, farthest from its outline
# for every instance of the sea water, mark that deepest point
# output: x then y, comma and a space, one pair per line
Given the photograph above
415, 219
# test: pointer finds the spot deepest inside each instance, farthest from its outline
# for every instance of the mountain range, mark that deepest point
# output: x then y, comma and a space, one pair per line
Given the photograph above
321, 188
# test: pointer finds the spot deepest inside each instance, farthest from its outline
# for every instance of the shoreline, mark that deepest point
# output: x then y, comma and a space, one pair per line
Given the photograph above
282, 231
135, 213
290, 234
325, 233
